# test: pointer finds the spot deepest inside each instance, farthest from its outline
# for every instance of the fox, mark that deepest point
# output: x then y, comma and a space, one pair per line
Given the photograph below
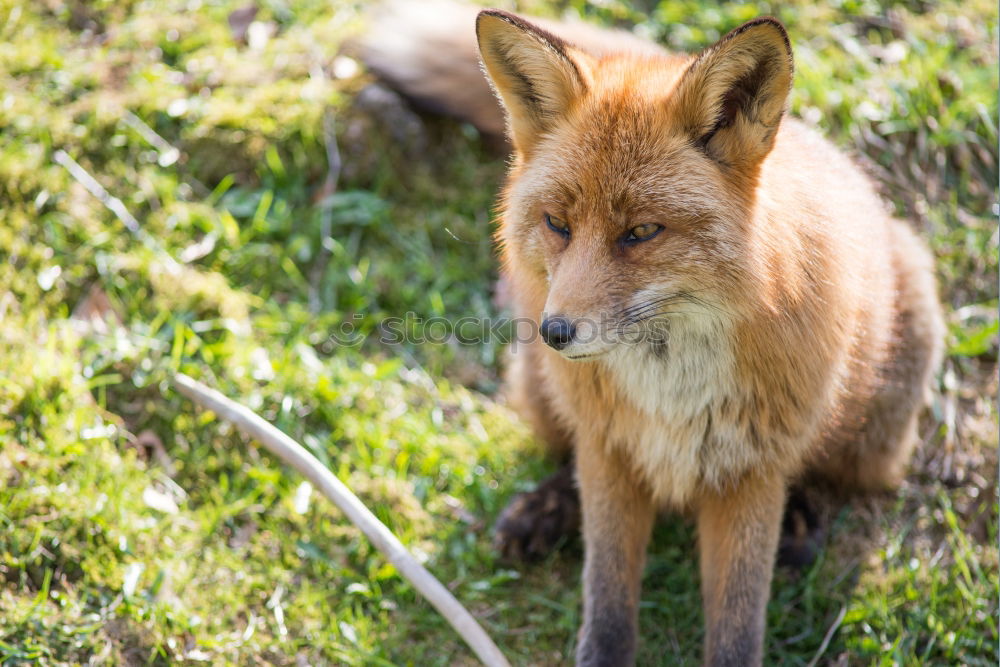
726, 308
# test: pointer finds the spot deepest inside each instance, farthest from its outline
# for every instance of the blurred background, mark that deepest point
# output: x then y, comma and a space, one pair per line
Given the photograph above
214, 187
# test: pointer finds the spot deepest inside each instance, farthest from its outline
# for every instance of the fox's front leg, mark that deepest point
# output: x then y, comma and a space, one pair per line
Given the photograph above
617, 519
738, 533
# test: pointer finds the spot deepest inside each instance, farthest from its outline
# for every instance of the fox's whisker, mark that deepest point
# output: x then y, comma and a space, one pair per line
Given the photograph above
647, 302
652, 308
646, 305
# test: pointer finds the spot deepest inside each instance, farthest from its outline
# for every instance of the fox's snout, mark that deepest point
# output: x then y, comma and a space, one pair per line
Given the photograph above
557, 331
581, 337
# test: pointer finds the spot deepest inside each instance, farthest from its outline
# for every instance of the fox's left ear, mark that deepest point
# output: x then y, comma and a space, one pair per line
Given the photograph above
732, 97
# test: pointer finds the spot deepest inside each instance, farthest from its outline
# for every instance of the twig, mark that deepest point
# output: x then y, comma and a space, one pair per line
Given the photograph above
828, 637
168, 154
333, 160
296, 456
115, 205
334, 166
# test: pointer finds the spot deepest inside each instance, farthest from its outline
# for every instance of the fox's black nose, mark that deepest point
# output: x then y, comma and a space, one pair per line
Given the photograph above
557, 332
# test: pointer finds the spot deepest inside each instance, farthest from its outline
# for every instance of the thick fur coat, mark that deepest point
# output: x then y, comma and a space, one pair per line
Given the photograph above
739, 309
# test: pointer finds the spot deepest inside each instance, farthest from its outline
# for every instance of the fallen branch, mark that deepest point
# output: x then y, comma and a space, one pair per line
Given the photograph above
296, 456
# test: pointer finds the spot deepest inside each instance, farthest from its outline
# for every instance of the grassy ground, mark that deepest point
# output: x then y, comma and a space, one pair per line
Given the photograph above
135, 528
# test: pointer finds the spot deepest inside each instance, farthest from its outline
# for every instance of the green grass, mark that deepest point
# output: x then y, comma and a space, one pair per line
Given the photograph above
136, 528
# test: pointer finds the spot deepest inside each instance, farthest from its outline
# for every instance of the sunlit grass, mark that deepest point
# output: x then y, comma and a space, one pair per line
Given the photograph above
135, 528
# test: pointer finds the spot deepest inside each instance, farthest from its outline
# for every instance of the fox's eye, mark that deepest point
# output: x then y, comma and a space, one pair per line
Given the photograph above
643, 232
558, 226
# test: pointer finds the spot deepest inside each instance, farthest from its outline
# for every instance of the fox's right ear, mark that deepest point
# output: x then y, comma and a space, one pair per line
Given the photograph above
536, 75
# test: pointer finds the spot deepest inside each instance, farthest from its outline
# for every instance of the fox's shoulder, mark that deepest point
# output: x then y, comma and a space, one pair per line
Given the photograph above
807, 166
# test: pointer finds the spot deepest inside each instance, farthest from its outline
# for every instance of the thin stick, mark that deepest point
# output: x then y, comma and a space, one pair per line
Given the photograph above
113, 204
296, 456
168, 154
333, 168
829, 635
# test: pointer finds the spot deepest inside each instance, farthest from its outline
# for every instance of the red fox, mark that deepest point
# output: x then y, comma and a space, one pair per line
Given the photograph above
724, 304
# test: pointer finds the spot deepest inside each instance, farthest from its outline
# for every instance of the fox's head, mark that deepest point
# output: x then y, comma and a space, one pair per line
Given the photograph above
634, 180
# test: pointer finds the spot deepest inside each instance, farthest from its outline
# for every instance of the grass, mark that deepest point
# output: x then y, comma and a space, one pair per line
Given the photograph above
137, 529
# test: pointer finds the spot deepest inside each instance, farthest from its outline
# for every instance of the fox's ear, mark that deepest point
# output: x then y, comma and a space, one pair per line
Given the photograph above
536, 75
732, 97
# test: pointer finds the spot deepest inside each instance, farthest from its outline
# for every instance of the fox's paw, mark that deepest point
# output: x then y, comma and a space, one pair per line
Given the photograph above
536, 522
802, 532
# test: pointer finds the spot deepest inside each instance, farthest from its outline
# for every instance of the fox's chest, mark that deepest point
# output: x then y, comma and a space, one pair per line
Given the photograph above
689, 422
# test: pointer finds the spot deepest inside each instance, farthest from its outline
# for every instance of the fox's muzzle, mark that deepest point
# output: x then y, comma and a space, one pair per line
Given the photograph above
557, 332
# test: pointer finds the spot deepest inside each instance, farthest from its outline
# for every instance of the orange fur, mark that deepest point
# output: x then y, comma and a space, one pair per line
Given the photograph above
799, 325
